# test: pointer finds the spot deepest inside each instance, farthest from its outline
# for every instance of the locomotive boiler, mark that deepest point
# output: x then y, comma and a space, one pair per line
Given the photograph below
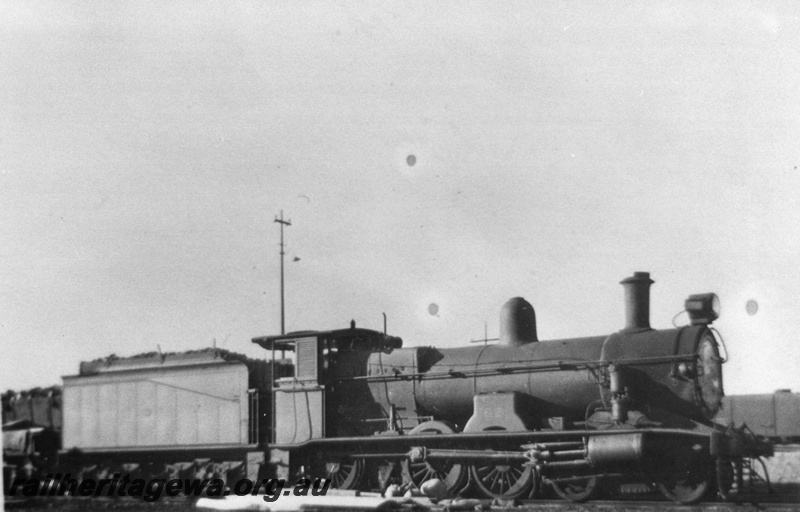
629, 412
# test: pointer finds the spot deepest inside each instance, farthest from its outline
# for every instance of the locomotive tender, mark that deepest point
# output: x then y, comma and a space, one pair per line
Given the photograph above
775, 416
202, 414
631, 410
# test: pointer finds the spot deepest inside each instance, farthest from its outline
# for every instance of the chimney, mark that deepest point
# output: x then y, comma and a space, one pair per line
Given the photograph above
517, 323
637, 301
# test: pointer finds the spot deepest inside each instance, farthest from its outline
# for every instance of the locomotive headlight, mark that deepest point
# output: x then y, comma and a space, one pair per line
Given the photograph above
703, 308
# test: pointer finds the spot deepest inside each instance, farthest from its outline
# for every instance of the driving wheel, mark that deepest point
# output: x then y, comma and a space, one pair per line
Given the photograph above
417, 472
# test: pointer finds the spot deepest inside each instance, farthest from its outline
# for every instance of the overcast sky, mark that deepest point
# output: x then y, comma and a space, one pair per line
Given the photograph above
146, 147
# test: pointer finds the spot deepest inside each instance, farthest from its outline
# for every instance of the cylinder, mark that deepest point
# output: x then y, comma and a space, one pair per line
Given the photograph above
615, 449
637, 301
517, 323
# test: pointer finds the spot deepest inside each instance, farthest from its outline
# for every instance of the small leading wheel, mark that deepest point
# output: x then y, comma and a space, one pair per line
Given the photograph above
685, 486
739, 477
503, 481
344, 474
417, 472
684, 490
577, 489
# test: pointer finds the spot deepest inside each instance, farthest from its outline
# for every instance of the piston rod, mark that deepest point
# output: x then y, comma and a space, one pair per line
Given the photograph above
560, 455
554, 446
567, 464
468, 455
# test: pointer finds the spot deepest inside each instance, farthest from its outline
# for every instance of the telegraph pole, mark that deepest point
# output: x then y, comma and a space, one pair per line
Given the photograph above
282, 223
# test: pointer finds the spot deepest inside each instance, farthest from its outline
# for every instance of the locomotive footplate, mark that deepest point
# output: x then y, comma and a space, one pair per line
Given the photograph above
577, 464
487, 439
545, 450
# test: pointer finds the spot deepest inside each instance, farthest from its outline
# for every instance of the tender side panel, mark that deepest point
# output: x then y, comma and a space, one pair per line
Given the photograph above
787, 415
126, 410
755, 411
198, 405
776, 415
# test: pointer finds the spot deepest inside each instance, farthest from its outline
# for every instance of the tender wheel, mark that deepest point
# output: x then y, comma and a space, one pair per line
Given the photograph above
576, 489
344, 474
453, 475
503, 481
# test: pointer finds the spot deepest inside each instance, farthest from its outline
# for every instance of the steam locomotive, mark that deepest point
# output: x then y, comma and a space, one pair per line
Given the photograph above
629, 412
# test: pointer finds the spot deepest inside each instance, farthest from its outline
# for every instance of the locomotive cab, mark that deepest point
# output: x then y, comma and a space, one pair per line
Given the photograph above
307, 400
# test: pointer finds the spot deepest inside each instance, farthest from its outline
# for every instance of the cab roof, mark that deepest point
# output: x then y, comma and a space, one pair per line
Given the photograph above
354, 337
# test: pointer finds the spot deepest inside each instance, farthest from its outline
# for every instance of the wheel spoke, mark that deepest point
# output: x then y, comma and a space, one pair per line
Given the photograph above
493, 485
344, 475
416, 473
504, 482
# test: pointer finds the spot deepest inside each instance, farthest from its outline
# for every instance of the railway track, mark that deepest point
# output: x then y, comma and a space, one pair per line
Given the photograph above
181, 505
626, 506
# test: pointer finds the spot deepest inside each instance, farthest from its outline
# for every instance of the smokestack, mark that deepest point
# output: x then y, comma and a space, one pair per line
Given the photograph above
517, 323
637, 301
